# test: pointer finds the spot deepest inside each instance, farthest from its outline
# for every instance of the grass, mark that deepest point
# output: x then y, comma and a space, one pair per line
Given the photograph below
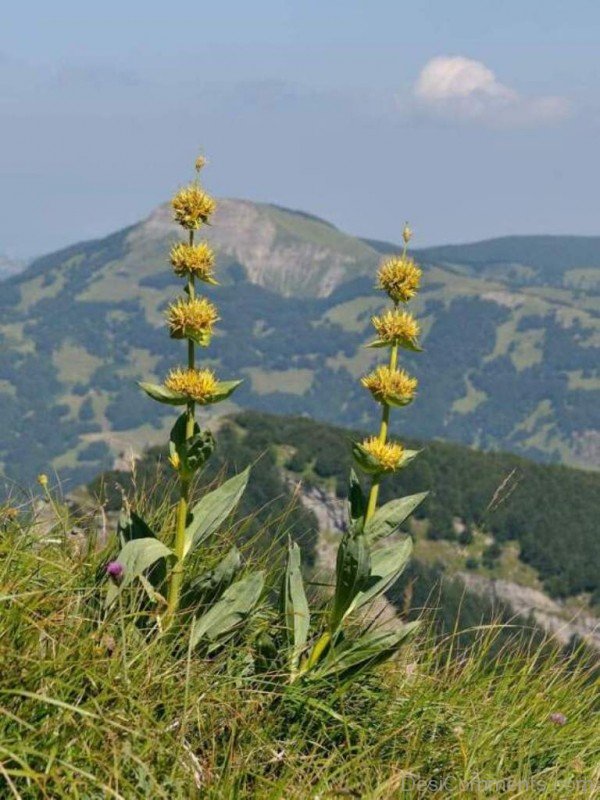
91, 708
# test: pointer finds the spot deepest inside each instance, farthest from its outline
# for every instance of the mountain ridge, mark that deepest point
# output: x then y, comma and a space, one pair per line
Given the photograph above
511, 363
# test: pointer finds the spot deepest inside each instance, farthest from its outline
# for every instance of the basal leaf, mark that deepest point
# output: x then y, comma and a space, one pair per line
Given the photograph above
209, 586
355, 656
221, 621
212, 510
137, 556
294, 605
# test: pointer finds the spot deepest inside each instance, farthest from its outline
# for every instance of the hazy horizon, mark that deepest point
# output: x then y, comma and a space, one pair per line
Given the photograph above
473, 121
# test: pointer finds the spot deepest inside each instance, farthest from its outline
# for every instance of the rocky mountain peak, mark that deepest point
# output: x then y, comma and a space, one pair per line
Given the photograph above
286, 251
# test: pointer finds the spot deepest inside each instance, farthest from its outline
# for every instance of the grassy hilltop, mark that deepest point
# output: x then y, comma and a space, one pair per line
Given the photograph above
92, 706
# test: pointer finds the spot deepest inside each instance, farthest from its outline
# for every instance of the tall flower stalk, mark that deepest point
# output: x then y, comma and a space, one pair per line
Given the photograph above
192, 208
192, 319
216, 601
366, 567
399, 277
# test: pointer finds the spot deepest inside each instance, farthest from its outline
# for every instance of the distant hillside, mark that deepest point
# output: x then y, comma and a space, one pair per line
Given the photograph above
570, 262
508, 365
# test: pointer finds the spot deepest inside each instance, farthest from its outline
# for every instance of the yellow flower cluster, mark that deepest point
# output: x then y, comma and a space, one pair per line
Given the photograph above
199, 385
192, 207
388, 454
388, 384
400, 277
191, 318
396, 327
193, 259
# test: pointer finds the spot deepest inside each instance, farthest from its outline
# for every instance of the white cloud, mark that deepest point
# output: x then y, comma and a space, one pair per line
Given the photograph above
460, 88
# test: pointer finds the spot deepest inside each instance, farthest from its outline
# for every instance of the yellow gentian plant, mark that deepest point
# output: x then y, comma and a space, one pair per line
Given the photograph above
365, 568
215, 601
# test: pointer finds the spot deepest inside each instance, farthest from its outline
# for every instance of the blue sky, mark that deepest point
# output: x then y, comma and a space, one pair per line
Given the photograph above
469, 118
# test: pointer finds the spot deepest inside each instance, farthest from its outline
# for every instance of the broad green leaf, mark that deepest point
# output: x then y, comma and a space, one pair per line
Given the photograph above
211, 584
163, 395
387, 564
131, 526
137, 556
357, 504
352, 571
353, 657
389, 517
294, 605
221, 621
211, 511
224, 390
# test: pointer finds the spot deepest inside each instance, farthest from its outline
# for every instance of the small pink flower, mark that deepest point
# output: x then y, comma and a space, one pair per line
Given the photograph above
115, 571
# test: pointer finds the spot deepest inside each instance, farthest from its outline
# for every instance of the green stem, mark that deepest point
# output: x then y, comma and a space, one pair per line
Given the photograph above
383, 433
176, 577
